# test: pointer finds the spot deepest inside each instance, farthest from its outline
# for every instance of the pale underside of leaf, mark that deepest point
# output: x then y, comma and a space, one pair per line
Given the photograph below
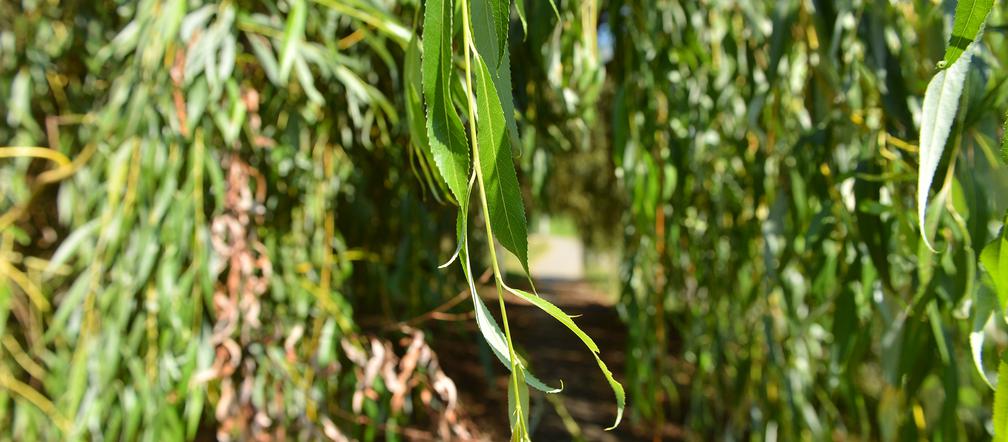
486, 323
982, 309
941, 100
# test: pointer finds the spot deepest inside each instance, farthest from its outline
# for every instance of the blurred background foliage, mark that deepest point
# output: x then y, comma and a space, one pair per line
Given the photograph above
234, 197
229, 222
768, 153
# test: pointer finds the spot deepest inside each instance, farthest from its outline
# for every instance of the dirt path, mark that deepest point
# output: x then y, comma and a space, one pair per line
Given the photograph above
554, 354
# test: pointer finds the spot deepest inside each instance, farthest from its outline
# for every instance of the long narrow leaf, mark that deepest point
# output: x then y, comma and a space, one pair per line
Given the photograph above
486, 323
941, 100
566, 320
1001, 403
507, 214
293, 36
994, 258
982, 307
486, 38
444, 128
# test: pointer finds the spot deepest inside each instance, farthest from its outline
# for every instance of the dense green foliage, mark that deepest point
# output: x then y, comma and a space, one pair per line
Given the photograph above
772, 218
202, 205
206, 252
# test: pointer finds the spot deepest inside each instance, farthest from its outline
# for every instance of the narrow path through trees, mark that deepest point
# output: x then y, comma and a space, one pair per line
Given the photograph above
585, 407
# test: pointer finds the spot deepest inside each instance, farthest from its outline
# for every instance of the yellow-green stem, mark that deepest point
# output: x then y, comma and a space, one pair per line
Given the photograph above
467, 37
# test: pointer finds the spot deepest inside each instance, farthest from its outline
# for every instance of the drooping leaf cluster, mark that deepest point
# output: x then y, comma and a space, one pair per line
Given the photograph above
486, 101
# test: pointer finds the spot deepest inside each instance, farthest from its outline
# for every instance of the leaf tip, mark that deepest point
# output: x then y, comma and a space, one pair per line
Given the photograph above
619, 418
556, 390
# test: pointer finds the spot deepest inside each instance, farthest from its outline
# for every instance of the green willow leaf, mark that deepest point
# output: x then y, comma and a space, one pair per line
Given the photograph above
520, 6
507, 214
983, 305
566, 320
970, 16
1001, 403
292, 38
994, 258
486, 37
486, 323
500, 11
413, 87
941, 100
413, 90
444, 128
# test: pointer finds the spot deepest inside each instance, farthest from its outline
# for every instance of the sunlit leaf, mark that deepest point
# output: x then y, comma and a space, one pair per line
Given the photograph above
486, 323
970, 16
507, 214
941, 100
292, 38
1001, 403
982, 308
485, 36
1004, 142
994, 258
